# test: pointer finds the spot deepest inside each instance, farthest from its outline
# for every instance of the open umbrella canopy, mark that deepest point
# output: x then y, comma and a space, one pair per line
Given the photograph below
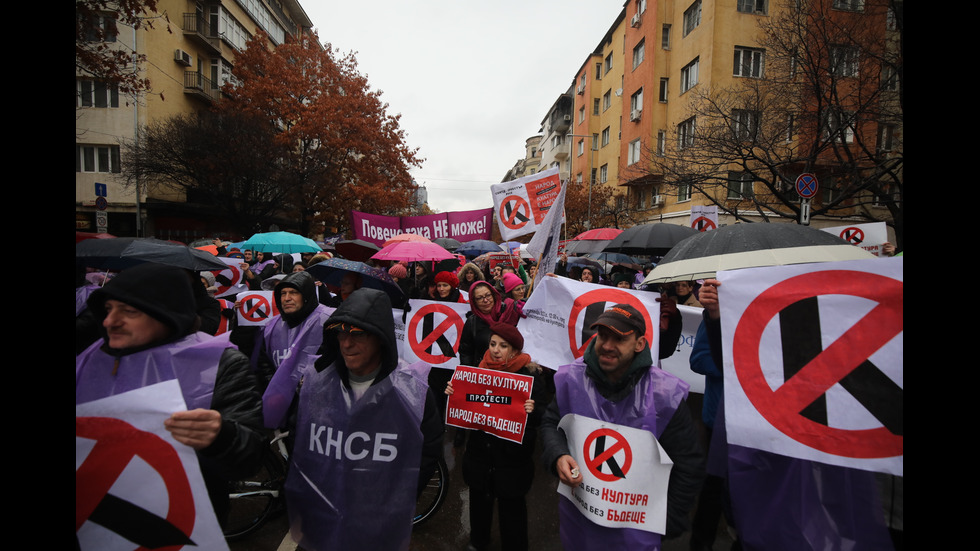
356, 249
751, 246
83, 235
281, 242
333, 270
411, 237
125, 252
410, 251
478, 247
598, 234
617, 259
586, 246
447, 243
651, 239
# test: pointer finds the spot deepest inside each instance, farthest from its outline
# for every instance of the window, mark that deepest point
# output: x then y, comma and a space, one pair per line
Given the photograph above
661, 143
665, 37
607, 100
93, 93
844, 61
96, 158
634, 152
598, 71
886, 137
578, 178
595, 142
595, 106
556, 142
745, 124
603, 173
581, 147
605, 137
748, 62
891, 19
638, 53
692, 17
683, 191
593, 175
829, 192
663, 90
889, 78
740, 185
689, 75
581, 114
608, 66
884, 196
849, 5
100, 28
839, 126
636, 104
685, 133
790, 127
752, 6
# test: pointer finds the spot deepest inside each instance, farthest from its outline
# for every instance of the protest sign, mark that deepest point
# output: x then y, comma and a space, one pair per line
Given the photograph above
229, 281
704, 218
544, 244
257, 307
679, 363
522, 204
433, 331
460, 225
490, 401
560, 312
814, 361
135, 486
624, 474
869, 237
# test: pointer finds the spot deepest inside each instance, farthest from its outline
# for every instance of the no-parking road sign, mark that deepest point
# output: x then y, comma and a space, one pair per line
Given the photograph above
806, 185
816, 351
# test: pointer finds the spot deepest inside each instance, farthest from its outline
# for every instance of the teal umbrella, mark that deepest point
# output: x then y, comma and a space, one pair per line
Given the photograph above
281, 242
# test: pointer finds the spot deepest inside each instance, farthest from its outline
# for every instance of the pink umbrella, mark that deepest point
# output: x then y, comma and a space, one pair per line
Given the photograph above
411, 251
409, 237
592, 241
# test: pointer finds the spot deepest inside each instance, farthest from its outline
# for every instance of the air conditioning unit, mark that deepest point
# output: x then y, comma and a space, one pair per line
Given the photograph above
658, 201
182, 57
635, 114
635, 22
568, 118
580, 90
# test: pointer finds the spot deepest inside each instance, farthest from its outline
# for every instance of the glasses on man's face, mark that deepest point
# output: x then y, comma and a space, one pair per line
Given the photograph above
483, 298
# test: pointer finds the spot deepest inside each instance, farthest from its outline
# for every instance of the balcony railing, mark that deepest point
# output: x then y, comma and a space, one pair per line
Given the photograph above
197, 26
197, 84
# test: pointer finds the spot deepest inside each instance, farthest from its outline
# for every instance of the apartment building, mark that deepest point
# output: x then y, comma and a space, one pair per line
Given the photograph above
529, 164
189, 54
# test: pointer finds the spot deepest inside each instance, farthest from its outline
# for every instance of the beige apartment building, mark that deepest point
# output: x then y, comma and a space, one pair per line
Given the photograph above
189, 54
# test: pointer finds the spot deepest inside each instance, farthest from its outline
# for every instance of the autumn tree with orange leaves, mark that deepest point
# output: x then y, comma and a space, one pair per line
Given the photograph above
343, 149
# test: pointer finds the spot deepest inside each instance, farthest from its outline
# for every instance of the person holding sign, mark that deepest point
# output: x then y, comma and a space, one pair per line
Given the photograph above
616, 382
496, 469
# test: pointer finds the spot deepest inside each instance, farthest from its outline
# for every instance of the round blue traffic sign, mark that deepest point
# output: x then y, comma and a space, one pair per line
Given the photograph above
806, 185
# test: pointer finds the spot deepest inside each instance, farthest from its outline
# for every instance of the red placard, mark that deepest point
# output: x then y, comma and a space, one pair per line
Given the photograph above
490, 401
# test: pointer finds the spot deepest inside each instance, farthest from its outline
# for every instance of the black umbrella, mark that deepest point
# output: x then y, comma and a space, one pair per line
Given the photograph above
124, 252
332, 271
447, 243
751, 246
356, 249
651, 239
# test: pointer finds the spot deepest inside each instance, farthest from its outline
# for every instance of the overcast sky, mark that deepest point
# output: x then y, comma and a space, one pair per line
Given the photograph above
472, 80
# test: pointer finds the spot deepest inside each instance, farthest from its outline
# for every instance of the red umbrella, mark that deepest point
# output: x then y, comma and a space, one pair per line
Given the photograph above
598, 234
413, 252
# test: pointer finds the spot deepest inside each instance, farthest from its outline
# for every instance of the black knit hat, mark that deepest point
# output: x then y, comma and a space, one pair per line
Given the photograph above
162, 292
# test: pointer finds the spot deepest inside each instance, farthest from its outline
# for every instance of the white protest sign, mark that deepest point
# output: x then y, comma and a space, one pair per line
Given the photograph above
679, 363
814, 361
256, 307
433, 332
867, 236
560, 312
522, 204
135, 486
229, 281
624, 474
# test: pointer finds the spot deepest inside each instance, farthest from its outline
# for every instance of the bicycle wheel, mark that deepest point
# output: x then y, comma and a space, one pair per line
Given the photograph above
432, 495
254, 501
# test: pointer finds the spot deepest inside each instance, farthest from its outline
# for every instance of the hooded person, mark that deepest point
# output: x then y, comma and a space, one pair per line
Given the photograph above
149, 336
289, 343
367, 433
469, 274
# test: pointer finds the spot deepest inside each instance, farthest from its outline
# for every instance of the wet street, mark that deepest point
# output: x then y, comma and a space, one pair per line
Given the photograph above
449, 528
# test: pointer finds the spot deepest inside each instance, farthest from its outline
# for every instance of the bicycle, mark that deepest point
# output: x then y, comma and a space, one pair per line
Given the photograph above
433, 494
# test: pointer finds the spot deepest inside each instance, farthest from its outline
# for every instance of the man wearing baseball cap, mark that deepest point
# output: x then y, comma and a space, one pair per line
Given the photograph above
617, 382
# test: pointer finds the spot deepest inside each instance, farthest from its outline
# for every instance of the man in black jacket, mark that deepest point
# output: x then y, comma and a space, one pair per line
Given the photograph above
367, 432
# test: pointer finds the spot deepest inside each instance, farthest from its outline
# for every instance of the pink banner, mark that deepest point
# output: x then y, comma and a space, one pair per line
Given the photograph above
491, 401
461, 225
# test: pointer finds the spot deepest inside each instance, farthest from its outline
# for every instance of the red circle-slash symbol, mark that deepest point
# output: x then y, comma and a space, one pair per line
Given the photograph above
517, 216
597, 453
782, 406
260, 309
609, 296
852, 235
421, 346
117, 443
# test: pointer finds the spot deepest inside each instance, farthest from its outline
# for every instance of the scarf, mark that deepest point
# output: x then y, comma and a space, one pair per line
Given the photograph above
512, 365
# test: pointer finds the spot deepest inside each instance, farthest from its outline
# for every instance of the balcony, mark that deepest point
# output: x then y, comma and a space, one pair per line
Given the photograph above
196, 84
197, 27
